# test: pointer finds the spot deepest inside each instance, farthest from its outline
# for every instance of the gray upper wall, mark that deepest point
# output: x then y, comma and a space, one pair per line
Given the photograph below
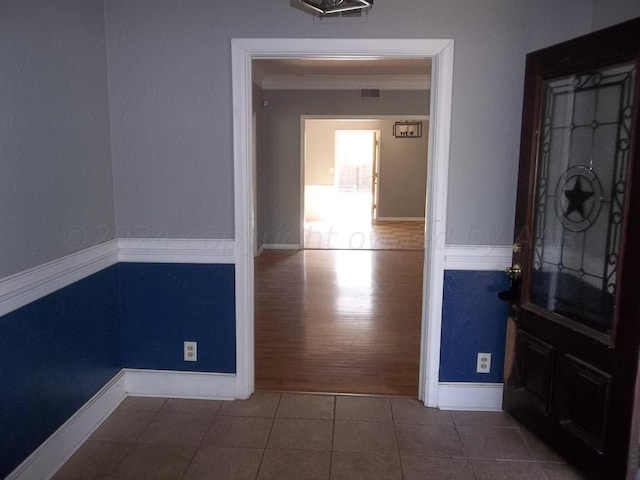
56, 189
171, 108
610, 12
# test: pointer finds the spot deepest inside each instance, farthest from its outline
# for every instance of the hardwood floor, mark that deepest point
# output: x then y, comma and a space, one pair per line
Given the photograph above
338, 321
350, 235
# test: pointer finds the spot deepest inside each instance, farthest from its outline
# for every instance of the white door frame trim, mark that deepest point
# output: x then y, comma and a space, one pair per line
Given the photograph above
440, 51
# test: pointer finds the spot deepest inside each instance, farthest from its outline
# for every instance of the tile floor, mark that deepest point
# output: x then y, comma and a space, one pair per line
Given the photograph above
309, 437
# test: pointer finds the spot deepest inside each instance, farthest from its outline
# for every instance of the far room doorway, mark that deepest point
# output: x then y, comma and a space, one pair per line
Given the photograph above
339, 183
363, 186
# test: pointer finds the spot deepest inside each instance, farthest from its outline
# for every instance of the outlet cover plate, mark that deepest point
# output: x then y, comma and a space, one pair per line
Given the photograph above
483, 364
190, 351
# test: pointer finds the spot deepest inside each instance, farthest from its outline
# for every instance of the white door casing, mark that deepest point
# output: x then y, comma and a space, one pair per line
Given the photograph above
440, 51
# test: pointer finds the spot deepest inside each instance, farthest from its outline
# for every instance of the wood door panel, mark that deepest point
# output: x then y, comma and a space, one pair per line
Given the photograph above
534, 369
574, 378
583, 401
566, 337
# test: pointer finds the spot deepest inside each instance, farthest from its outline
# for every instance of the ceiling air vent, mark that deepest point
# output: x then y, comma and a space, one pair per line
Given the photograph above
370, 93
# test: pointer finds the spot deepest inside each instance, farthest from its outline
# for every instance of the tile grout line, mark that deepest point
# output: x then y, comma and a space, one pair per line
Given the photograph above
90, 438
395, 433
333, 435
464, 449
264, 449
137, 440
201, 443
533, 455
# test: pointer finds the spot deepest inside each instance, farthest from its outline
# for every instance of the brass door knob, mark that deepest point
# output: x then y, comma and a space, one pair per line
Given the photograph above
514, 271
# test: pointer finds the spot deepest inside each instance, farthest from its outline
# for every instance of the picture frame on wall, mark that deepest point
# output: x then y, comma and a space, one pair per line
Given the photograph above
407, 129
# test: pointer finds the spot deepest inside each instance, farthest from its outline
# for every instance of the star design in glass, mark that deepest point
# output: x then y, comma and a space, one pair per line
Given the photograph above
577, 198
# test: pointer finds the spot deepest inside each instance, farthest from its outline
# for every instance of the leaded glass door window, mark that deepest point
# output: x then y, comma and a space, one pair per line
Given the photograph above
581, 188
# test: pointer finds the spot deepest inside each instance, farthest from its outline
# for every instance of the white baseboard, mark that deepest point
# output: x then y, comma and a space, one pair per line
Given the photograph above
400, 219
175, 384
470, 396
30, 285
58, 448
63, 443
259, 250
477, 257
281, 246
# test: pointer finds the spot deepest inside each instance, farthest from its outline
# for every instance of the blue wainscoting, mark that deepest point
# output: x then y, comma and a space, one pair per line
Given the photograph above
55, 354
162, 305
473, 320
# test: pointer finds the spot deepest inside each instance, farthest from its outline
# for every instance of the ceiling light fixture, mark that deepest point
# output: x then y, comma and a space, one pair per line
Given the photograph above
328, 7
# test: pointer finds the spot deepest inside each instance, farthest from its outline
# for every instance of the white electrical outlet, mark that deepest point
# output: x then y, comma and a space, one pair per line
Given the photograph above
190, 351
484, 363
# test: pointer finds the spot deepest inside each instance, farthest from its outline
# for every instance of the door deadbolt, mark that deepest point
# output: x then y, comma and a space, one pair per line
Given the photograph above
514, 271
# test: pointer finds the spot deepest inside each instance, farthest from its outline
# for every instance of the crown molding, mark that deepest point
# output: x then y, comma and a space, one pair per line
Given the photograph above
344, 82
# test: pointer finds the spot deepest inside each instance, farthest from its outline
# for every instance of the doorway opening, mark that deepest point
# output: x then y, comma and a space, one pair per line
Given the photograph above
441, 53
324, 314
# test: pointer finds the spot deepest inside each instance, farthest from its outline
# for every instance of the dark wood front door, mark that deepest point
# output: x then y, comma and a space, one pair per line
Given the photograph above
572, 365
